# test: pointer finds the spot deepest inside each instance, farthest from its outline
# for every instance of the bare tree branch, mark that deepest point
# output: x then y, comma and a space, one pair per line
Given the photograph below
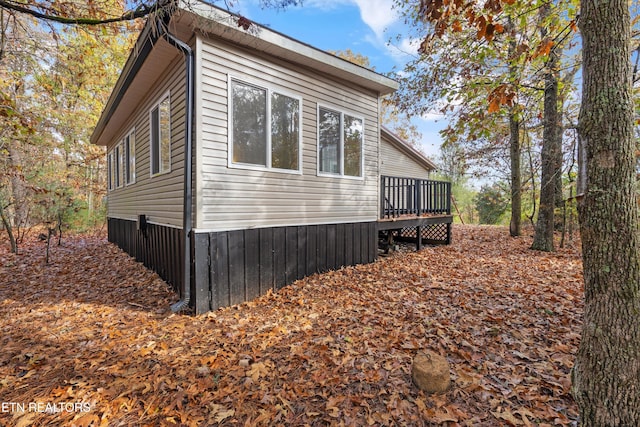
140, 12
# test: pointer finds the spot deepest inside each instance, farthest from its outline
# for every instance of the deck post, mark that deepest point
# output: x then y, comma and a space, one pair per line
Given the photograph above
382, 195
418, 197
418, 238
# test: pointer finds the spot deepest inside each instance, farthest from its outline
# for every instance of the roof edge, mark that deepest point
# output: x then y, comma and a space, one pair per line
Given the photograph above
260, 37
404, 146
227, 28
141, 49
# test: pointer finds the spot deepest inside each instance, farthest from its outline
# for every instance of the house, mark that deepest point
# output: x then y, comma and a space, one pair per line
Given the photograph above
399, 158
252, 159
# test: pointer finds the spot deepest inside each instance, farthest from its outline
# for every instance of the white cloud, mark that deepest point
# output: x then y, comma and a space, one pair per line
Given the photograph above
403, 51
325, 4
410, 45
432, 116
377, 14
435, 112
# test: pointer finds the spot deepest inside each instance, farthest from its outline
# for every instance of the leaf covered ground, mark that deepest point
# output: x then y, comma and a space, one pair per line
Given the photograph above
89, 340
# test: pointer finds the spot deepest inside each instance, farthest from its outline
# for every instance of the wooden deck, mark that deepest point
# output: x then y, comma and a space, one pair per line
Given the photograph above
415, 210
405, 221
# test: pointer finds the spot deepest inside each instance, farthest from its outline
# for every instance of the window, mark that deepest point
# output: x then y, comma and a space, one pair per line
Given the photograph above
118, 165
285, 132
353, 129
129, 144
265, 128
160, 126
110, 171
329, 139
340, 139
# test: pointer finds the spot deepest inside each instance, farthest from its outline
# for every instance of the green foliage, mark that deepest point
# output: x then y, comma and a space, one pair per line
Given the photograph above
482, 66
464, 196
392, 116
53, 85
491, 202
463, 207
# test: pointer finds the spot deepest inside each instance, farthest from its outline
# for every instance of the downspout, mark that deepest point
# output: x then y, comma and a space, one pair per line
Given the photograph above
187, 209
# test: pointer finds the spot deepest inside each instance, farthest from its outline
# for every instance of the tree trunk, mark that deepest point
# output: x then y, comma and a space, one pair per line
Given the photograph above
7, 226
581, 182
606, 376
516, 181
18, 188
514, 151
558, 155
551, 146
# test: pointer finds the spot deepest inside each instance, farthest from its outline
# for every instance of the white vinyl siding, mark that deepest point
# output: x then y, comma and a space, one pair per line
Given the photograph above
232, 198
394, 162
159, 197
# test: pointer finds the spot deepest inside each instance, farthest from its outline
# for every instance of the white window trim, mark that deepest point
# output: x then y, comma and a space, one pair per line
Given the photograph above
165, 95
119, 171
342, 113
131, 133
110, 177
268, 168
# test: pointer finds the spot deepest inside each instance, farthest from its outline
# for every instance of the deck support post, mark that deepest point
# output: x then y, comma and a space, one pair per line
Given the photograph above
418, 238
418, 196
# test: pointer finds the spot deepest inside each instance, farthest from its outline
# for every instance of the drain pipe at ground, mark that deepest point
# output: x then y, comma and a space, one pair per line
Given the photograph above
187, 213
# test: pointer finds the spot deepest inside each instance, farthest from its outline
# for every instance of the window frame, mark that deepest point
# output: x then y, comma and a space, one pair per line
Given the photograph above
110, 177
341, 153
117, 155
269, 90
129, 155
165, 97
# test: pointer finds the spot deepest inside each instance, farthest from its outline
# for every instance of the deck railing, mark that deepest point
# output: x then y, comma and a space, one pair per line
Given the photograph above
411, 196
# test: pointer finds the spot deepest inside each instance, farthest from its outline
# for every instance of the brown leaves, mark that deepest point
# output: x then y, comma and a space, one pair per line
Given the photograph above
504, 94
444, 14
543, 49
244, 23
328, 350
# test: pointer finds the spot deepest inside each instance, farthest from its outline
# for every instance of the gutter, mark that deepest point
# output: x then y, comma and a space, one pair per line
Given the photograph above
187, 208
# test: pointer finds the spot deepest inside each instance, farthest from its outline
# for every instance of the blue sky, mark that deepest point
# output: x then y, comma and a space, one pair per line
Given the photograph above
364, 26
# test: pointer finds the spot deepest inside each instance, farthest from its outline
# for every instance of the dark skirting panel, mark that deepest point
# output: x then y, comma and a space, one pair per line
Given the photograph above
236, 266
158, 247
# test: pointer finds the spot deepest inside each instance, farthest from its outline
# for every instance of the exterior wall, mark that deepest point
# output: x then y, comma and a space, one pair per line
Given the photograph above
394, 162
255, 229
159, 197
159, 248
231, 267
234, 198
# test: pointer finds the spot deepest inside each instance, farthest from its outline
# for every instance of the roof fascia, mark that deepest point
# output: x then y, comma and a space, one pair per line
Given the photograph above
215, 21
141, 50
218, 22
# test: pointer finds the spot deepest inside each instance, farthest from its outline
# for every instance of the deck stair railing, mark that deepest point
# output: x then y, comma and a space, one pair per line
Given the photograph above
412, 196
